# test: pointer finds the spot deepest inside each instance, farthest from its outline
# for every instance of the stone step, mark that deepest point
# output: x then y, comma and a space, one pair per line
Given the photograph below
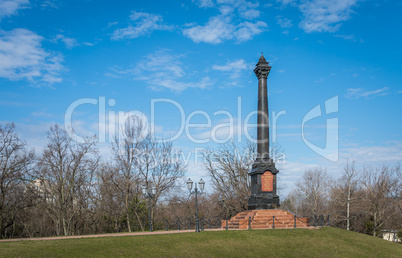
263, 219
270, 217
275, 212
276, 215
271, 220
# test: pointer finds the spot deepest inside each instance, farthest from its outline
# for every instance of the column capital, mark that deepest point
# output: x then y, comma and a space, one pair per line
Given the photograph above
262, 68
262, 71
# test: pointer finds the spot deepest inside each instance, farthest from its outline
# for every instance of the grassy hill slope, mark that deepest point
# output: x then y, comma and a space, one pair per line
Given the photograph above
326, 242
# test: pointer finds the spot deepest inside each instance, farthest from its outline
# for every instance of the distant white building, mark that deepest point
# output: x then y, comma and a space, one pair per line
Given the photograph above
390, 235
42, 188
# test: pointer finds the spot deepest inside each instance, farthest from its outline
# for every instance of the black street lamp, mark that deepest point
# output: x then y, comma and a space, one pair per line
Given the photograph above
196, 192
150, 193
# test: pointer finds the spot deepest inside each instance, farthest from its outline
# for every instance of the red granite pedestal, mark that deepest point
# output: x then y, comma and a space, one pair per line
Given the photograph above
264, 219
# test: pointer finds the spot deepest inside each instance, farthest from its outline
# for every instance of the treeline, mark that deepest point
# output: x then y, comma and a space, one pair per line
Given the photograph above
366, 200
69, 188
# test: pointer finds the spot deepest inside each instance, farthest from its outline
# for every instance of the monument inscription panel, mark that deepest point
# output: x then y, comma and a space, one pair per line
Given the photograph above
267, 182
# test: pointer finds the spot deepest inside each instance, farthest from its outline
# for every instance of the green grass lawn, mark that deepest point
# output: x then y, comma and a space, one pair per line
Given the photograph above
322, 242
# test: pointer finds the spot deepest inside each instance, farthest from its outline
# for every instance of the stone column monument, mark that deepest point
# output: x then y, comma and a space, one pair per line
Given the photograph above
263, 173
263, 204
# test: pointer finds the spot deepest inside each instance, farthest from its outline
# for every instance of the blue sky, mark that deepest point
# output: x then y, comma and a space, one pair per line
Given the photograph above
200, 55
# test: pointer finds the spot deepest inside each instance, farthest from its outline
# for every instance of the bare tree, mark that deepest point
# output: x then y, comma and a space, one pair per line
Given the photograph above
109, 199
345, 194
382, 199
228, 168
142, 160
350, 182
292, 203
313, 189
160, 166
14, 164
66, 171
126, 175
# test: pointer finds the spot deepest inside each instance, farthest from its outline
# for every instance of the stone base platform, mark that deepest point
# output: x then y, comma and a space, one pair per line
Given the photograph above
264, 219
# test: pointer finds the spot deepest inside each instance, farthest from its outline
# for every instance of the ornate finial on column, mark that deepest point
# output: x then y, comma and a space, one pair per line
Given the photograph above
262, 68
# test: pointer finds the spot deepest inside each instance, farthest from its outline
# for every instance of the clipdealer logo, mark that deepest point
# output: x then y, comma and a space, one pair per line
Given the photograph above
110, 124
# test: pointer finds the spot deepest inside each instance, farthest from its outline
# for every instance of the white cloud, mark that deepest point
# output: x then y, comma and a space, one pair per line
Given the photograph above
232, 71
22, 57
220, 28
359, 92
295, 169
232, 66
215, 31
373, 155
51, 3
226, 9
176, 85
321, 15
162, 61
10, 7
69, 42
346, 37
110, 24
144, 24
286, 2
284, 22
245, 9
205, 3
246, 30
162, 70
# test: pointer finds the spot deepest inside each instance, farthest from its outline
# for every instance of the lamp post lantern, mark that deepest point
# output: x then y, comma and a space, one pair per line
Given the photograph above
196, 192
150, 193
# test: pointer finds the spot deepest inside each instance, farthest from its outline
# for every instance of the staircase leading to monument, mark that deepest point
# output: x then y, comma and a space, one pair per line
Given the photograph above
264, 219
